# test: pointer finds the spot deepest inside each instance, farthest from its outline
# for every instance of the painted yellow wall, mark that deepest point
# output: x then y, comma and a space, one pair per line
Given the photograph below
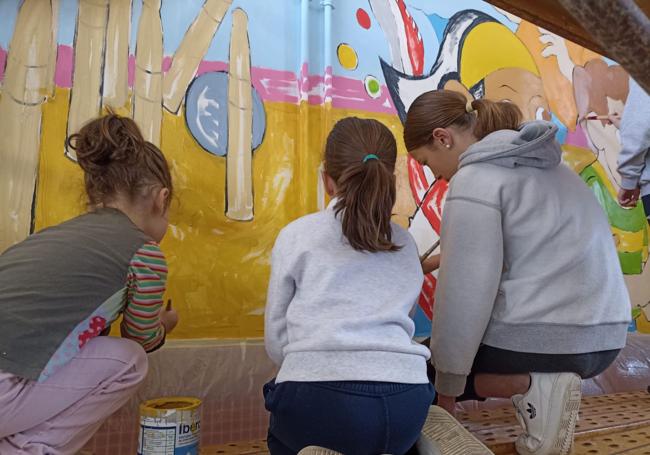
218, 267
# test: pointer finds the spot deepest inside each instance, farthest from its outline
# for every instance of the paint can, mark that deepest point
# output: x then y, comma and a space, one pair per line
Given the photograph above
170, 426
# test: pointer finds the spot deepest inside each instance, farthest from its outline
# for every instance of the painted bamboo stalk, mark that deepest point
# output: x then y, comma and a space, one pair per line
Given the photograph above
89, 43
239, 179
321, 193
147, 88
54, 48
25, 88
191, 51
116, 61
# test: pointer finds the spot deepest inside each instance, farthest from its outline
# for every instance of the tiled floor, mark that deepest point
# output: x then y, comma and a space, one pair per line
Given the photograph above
609, 425
242, 448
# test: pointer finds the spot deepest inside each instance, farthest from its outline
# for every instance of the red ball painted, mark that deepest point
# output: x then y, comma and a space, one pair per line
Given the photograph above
363, 19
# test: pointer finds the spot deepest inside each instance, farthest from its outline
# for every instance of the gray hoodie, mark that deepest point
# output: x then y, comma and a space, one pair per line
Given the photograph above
634, 159
528, 259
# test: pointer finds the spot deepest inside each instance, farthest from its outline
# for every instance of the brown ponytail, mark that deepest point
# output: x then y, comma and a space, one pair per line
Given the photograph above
492, 116
365, 184
445, 108
116, 159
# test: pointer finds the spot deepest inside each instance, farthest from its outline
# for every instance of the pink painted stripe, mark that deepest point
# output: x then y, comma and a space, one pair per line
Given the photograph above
64, 64
327, 83
303, 81
351, 93
272, 85
3, 62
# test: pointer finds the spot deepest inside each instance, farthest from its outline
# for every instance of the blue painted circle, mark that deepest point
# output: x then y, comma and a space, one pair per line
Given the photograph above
206, 113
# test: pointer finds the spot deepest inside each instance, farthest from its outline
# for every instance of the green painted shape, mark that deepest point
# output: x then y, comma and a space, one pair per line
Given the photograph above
631, 263
629, 220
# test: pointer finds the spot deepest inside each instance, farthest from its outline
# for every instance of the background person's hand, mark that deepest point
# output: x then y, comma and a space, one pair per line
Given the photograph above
431, 263
615, 119
628, 198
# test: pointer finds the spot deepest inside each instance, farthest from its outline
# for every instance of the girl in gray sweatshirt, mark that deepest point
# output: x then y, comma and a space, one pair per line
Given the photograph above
530, 296
343, 282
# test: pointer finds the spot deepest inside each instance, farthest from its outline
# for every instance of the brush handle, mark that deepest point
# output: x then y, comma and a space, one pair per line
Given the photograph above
428, 252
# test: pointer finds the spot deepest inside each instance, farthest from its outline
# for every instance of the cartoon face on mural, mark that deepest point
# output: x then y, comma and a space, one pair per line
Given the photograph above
481, 58
240, 96
520, 87
495, 64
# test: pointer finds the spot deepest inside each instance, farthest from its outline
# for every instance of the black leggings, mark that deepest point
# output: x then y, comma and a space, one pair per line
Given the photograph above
501, 361
646, 205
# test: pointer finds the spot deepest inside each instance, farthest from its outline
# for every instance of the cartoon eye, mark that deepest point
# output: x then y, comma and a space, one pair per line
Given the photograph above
539, 113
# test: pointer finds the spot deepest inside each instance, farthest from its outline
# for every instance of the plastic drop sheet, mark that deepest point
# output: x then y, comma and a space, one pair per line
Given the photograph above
226, 375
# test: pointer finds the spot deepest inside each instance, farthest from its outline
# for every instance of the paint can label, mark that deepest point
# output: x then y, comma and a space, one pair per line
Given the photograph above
160, 437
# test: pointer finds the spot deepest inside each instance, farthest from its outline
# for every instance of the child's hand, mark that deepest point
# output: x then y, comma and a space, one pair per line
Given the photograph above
431, 263
448, 404
169, 317
629, 198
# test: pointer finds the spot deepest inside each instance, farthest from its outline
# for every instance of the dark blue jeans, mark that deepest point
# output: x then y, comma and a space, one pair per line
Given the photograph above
351, 417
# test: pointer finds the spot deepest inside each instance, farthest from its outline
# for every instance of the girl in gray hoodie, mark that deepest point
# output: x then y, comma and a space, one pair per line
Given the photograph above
530, 296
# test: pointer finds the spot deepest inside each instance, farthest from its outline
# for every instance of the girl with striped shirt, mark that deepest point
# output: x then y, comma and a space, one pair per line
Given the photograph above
63, 287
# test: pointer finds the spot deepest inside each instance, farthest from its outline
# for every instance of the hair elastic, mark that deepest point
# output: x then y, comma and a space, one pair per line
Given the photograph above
468, 107
370, 156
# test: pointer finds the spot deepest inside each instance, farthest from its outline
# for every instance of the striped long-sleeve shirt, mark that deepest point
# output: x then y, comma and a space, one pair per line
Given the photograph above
140, 307
147, 277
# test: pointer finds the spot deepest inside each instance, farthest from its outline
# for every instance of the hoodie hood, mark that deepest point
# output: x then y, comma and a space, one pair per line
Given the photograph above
533, 145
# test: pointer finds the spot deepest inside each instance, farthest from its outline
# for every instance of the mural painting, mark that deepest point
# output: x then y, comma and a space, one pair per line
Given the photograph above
240, 94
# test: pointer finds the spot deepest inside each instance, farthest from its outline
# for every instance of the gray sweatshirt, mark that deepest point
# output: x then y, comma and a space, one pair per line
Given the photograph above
528, 260
337, 314
634, 159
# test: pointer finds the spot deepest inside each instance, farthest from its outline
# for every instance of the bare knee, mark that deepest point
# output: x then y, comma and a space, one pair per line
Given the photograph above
501, 385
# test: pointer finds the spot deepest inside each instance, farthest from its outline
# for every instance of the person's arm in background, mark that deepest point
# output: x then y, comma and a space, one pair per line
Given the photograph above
431, 264
281, 291
144, 319
472, 254
635, 140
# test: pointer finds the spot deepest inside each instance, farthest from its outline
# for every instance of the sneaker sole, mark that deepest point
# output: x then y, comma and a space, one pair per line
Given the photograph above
567, 422
570, 413
315, 450
444, 435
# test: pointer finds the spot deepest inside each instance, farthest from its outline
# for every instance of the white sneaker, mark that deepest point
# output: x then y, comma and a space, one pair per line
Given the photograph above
548, 412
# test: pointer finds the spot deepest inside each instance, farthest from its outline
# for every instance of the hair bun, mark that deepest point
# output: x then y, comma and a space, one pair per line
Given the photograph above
109, 141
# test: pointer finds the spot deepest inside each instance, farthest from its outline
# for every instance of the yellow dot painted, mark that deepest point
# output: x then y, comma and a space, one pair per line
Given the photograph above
347, 56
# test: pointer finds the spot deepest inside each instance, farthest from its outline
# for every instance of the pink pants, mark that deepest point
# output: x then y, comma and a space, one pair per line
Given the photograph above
58, 416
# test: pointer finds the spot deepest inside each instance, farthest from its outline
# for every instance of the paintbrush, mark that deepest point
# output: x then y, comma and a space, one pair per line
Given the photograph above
597, 117
428, 252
